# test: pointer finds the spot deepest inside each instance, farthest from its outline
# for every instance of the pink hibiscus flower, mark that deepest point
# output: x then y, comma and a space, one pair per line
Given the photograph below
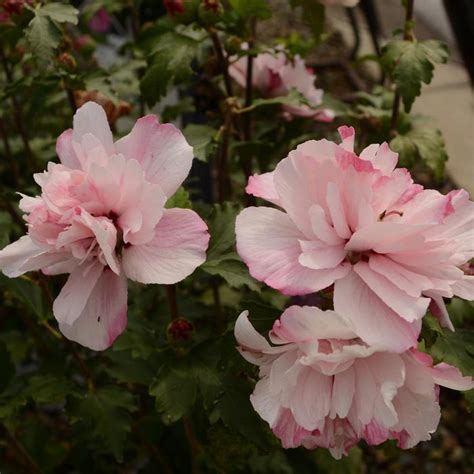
321, 386
274, 75
390, 246
101, 218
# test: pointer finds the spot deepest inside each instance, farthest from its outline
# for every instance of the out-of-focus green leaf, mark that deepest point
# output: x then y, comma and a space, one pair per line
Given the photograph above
259, 9
352, 464
233, 270
179, 199
7, 369
199, 137
313, 15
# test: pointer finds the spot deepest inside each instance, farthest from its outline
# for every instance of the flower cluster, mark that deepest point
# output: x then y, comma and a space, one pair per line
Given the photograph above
101, 218
391, 249
275, 75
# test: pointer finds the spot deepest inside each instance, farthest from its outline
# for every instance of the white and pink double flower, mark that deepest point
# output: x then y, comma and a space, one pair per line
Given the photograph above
101, 217
389, 246
320, 385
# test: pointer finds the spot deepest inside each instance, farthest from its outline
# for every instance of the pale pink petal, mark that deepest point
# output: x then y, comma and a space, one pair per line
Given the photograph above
262, 186
336, 210
374, 321
74, 295
306, 323
266, 403
91, 119
161, 149
450, 377
412, 283
342, 393
178, 248
104, 317
439, 311
268, 242
319, 256
418, 417
408, 307
385, 159
464, 287
65, 150
247, 336
14, 258
321, 228
311, 403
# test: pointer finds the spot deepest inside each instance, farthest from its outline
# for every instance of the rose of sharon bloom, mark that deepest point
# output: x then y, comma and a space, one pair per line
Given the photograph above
101, 218
321, 386
274, 75
388, 245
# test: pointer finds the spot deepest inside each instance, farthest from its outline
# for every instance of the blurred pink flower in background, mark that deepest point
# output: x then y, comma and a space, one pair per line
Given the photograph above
101, 22
320, 385
274, 75
389, 246
101, 218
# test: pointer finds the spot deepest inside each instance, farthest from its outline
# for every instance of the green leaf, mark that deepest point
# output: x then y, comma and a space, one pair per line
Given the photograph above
352, 464
107, 413
259, 9
456, 348
43, 36
422, 143
313, 16
221, 224
60, 12
43, 32
235, 410
170, 62
411, 63
199, 137
126, 369
294, 98
175, 391
179, 199
48, 388
233, 270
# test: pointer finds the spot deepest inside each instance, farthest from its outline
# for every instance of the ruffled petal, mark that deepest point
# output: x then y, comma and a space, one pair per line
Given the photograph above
178, 248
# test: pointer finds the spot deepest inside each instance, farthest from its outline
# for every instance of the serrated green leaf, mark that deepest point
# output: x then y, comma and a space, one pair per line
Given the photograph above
170, 62
199, 137
456, 348
175, 389
43, 37
107, 412
259, 9
60, 12
294, 98
422, 143
48, 388
233, 270
221, 224
411, 63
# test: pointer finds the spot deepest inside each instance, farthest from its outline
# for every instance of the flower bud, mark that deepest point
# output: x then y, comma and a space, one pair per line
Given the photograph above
180, 330
67, 61
182, 11
210, 12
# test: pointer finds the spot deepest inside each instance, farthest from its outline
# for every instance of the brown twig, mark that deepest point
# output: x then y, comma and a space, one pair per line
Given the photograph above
172, 301
407, 36
223, 61
194, 445
25, 457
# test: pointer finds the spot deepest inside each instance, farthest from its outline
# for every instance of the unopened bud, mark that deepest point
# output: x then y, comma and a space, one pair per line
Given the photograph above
180, 330
67, 61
